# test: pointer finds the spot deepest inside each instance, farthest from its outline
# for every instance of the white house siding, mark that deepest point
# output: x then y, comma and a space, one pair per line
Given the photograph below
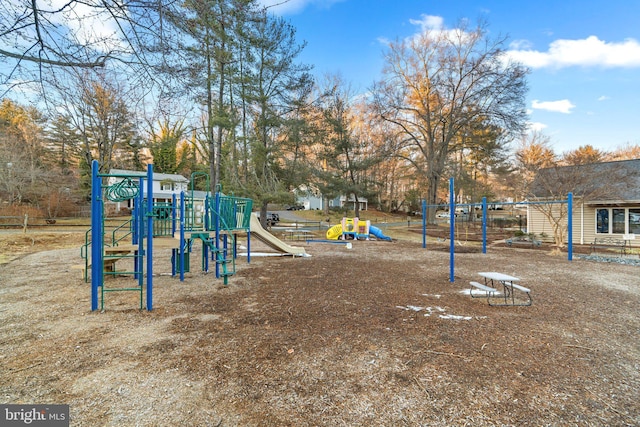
309, 197
538, 223
311, 202
588, 228
584, 224
179, 184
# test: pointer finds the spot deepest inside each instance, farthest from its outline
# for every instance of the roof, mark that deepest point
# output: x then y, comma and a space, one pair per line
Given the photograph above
607, 182
156, 176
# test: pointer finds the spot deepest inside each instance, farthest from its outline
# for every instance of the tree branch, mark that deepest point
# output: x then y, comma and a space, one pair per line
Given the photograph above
100, 62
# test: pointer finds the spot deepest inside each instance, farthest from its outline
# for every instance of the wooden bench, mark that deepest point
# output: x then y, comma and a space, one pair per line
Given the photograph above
609, 243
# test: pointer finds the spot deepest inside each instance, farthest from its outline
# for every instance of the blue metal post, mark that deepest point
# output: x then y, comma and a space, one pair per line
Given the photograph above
570, 226
97, 241
182, 242
424, 223
174, 253
484, 225
452, 222
149, 237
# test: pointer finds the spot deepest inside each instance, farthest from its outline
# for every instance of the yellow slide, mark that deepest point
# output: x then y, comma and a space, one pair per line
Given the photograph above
334, 232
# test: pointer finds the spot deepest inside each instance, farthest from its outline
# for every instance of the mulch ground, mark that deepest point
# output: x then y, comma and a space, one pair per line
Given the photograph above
373, 335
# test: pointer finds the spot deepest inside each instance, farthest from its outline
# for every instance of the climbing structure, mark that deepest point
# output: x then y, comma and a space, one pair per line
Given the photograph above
212, 219
107, 248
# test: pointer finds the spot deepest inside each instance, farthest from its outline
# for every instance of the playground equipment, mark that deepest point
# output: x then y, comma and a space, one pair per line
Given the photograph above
452, 209
348, 229
270, 240
213, 220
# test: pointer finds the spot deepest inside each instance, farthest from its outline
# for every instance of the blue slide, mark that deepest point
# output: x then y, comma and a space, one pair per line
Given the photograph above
378, 233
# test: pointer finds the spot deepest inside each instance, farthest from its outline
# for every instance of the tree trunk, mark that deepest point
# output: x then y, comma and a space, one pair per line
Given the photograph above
356, 206
432, 196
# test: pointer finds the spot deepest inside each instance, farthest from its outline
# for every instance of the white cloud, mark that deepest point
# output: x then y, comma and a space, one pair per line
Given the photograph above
563, 106
428, 22
384, 41
584, 52
536, 126
603, 98
431, 24
288, 7
520, 45
89, 25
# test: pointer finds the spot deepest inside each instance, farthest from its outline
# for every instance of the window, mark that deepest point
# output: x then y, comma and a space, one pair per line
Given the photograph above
634, 221
602, 221
618, 221
167, 186
617, 225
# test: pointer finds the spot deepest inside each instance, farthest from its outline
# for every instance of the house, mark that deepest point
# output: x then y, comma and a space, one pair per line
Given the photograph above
606, 200
349, 202
165, 185
311, 198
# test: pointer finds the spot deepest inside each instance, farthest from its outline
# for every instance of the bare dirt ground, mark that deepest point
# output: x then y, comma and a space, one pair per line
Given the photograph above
373, 335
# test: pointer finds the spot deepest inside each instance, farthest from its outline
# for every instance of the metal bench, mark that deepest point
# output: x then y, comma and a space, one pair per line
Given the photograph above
489, 291
607, 243
523, 240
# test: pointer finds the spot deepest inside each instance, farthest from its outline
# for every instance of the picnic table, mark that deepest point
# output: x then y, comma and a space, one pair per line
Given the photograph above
493, 279
293, 234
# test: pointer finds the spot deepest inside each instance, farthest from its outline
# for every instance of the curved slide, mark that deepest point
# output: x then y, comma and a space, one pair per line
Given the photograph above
378, 233
270, 240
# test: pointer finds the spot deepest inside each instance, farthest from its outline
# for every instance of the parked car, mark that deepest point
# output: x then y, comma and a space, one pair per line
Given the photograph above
295, 208
272, 218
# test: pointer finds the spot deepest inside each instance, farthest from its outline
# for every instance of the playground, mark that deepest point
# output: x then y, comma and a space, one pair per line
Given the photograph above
371, 335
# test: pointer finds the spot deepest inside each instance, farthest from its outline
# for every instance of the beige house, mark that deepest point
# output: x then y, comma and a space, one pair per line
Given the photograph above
606, 201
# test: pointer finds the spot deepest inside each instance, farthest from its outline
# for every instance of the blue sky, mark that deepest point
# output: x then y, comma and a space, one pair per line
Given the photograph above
584, 56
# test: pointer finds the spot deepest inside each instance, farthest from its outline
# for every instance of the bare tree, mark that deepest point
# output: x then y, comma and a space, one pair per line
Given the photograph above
38, 39
588, 182
21, 151
96, 104
439, 82
627, 151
